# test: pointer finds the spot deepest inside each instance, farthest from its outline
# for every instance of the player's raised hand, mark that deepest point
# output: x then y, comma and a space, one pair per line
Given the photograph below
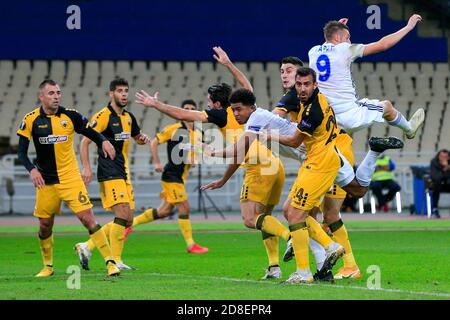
221, 56
37, 179
415, 18
343, 20
108, 150
213, 185
147, 100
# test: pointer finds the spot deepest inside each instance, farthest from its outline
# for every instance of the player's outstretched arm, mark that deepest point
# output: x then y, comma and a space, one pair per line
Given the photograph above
222, 57
391, 40
147, 100
237, 150
231, 169
293, 141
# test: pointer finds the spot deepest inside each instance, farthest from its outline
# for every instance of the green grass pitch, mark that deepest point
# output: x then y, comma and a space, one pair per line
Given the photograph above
413, 258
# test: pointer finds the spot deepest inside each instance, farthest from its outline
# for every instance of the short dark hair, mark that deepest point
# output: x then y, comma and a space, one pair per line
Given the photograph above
244, 96
188, 101
46, 82
118, 82
293, 60
306, 71
332, 27
220, 92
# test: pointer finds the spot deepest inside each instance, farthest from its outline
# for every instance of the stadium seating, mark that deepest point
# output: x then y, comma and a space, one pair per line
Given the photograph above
85, 84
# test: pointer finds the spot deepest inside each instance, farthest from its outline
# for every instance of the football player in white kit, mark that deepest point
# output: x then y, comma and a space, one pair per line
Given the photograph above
332, 62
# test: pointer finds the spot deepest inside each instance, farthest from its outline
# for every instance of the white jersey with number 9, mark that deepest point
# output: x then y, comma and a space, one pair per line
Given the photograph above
332, 64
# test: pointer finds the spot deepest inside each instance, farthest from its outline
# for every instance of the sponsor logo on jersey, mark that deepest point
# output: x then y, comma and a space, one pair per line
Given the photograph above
305, 124
43, 126
53, 139
122, 136
115, 124
93, 124
23, 125
254, 128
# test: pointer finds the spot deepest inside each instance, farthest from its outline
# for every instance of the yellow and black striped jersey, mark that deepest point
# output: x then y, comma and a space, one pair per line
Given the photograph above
290, 103
118, 129
180, 141
53, 136
227, 123
317, 121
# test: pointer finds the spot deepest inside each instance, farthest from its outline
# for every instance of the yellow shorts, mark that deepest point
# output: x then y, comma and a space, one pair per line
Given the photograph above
116, 191
263, 188
173, 192
73, 193
344, 144
310, 187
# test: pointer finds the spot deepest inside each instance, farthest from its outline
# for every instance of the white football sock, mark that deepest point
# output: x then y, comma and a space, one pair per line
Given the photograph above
318, 252
400, 122
367, 167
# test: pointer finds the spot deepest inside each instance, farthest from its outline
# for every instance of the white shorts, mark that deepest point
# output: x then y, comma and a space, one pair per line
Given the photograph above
345, 173
364, 113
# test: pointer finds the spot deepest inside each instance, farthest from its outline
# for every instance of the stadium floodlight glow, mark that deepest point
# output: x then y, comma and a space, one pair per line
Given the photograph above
399, 202
372, 205
361, 205
428, 205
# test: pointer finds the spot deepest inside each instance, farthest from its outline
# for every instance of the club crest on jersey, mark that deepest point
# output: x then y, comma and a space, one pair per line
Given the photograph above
52, 139
122, 136
64, 123
23, 125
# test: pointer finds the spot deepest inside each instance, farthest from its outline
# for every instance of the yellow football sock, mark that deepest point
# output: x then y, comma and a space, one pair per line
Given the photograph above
100, 241
106, 228
271, 245
147, 216
272, 225
300, 243
186, 228
341, 236
47, 250
116, 236
316, 232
